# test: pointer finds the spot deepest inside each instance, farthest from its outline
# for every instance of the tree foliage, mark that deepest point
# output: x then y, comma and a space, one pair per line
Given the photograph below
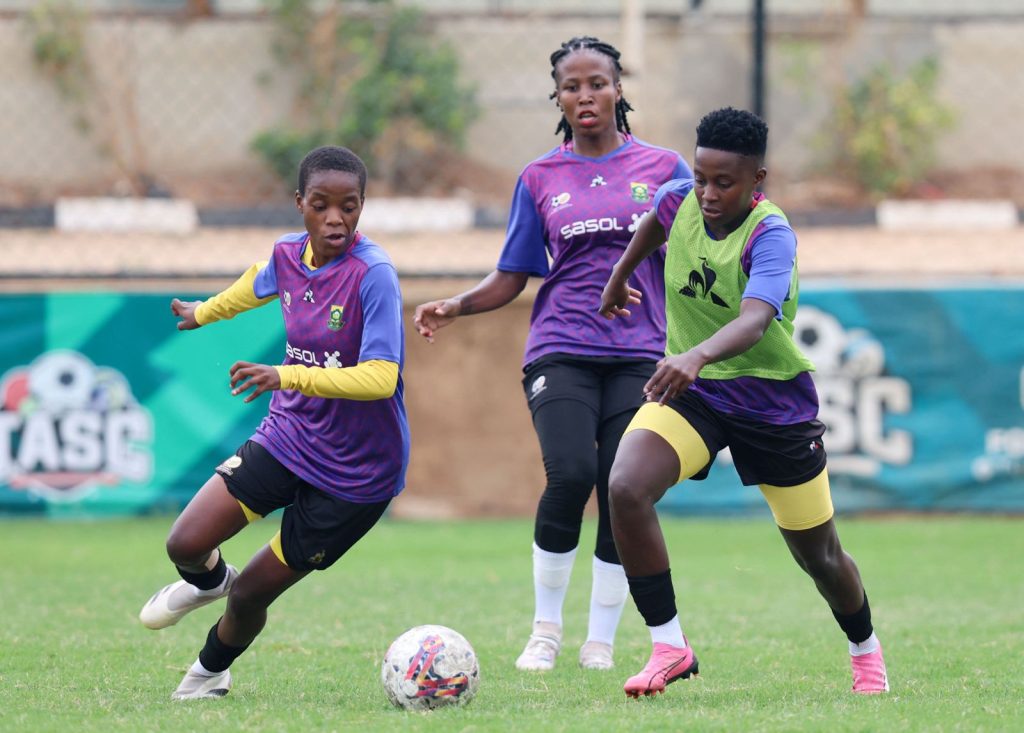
887, 126
372, 78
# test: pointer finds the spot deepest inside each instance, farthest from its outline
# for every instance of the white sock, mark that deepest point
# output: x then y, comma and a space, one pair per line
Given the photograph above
607, 598
551, 571
199, 669
865, 647
670, 633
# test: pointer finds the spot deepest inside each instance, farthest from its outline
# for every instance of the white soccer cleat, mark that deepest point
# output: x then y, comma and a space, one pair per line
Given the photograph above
596, 655
196, 686
541, 649
173, 601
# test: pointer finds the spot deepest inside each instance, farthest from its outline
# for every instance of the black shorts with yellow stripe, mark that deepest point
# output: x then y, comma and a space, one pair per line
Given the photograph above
787, 462
317, 528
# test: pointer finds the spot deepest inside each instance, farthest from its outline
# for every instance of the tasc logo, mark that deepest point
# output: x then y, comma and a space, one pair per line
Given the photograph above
857, 396
68, 427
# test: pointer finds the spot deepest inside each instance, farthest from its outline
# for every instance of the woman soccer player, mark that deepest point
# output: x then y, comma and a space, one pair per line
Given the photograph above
334, 447
732, 376
583, 379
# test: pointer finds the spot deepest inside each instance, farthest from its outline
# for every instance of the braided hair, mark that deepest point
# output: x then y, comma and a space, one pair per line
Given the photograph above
583, 43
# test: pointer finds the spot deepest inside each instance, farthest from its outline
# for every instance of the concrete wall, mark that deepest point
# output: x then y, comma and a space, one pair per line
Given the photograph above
185, 99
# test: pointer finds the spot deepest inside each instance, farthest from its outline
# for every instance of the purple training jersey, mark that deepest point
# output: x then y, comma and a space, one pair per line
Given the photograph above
768, 260
583, 212
338, 315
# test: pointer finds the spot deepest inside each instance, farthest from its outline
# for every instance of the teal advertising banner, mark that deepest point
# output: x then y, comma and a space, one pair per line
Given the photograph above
107, 409
922, 391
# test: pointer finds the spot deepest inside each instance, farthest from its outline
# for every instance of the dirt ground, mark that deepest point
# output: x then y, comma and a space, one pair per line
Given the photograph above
30, 254
474, 451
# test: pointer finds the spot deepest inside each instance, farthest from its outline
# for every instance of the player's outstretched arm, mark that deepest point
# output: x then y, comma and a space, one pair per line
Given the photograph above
497, 289
237, 298
186, 311
617, 295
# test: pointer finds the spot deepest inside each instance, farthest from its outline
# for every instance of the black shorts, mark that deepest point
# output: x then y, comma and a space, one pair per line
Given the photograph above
777, 455
609, 385
317, 528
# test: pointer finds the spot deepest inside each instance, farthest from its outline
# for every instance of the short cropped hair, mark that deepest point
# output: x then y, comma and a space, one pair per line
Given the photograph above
332, 158
734, 131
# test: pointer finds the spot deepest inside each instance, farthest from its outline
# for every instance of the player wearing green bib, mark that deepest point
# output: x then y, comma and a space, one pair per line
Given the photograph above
732, 377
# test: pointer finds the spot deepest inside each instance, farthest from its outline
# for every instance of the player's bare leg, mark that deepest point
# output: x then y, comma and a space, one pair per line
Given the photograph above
646, 466
819, 552
193, 544
258, 585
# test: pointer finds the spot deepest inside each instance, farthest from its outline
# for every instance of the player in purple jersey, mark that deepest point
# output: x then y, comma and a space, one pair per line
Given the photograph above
334, 447
578, 206
732, 376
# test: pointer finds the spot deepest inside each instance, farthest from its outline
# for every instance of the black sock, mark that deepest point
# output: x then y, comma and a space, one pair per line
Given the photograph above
654, 596
216, 656
208, 579
857, 625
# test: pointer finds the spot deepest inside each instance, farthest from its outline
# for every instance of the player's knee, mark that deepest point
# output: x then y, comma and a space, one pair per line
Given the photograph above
626, 493
185, 549
571, 475
245, 600
821, 562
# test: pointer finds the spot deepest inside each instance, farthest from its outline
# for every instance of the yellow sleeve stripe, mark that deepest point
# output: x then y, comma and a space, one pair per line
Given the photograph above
376, 379
236, 298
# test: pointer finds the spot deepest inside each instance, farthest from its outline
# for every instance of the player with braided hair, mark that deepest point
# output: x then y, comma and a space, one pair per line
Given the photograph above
580, 43
578, 204
732, 377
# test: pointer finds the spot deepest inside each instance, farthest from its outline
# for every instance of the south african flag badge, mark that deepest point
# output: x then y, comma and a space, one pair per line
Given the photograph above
336, 319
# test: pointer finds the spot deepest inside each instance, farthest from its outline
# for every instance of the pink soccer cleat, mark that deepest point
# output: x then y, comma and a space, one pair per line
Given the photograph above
666, 665
869, 677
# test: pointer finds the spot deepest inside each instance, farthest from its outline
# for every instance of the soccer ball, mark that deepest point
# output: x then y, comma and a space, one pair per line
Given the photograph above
429, 667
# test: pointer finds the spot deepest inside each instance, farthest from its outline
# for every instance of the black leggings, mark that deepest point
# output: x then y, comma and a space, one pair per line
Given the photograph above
580, 406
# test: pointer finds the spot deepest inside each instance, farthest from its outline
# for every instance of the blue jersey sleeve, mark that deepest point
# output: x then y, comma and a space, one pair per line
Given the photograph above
669, 198
265, 283
382, 315
525, 249
682, 170
772, 259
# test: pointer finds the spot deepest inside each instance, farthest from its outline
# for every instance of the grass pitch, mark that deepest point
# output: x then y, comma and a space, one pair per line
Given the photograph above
946, 593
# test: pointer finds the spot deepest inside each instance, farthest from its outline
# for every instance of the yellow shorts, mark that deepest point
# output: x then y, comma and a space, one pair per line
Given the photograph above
798, 507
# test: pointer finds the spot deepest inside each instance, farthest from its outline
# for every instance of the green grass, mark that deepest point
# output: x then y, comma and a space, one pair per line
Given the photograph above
947, 595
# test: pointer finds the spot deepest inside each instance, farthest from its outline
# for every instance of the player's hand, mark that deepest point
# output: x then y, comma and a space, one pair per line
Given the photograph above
259, 378
434, 315
616, 298
673, 375
186, 311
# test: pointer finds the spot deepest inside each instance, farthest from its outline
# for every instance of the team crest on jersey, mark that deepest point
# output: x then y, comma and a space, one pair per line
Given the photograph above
639, 192
335, 321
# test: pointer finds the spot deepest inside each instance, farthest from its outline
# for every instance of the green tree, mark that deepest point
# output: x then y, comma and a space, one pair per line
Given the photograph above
886, 127
372, 79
